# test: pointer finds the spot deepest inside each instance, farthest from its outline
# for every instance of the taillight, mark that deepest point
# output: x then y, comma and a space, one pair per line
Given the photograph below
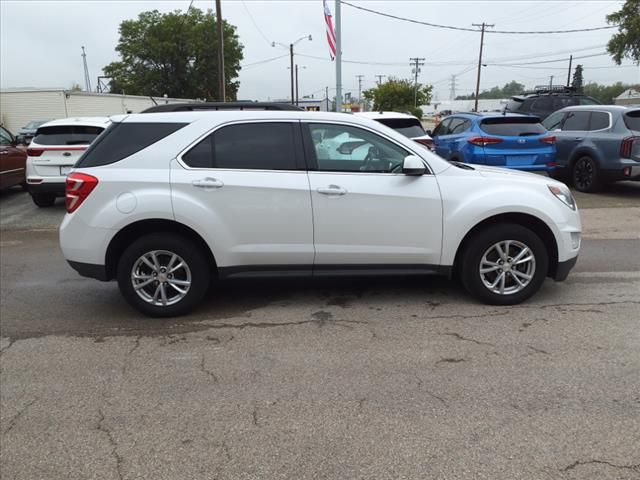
484, 141
77, 188
626, 147
550, 140
35, 152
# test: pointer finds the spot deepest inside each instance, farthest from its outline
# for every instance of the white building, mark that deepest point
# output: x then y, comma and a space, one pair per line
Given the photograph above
19, 106
628, 97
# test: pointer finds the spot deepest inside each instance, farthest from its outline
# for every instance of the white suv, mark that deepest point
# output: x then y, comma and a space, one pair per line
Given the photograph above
56, 147
164, 202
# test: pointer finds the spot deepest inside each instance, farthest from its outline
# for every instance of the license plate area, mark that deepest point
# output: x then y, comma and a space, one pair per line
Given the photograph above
65, 170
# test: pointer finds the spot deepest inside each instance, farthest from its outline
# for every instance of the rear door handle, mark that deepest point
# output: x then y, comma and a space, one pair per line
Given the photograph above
208, 183
332, 190
578, 139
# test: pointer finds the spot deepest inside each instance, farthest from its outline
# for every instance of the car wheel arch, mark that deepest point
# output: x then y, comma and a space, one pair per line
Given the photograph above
585, 152
533, 223
135, 230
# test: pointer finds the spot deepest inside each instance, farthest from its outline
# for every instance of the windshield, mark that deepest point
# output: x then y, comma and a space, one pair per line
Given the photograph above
409, 127
67, 135
632, 120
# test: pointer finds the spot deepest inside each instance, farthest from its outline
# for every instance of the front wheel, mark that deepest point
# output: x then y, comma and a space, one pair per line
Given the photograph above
504, 264
163, 275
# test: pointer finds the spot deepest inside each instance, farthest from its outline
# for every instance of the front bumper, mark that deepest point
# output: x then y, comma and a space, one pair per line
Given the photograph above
563, 269
99, 272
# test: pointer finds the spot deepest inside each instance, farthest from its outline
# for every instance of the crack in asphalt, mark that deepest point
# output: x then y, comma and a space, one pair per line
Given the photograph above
450, 360
207, 371
467, 339
254, 416
127, 357
112, 441
428, 392
635, 468
16, 417
538, 350
11, 342
560, 305
320, 323
463, 317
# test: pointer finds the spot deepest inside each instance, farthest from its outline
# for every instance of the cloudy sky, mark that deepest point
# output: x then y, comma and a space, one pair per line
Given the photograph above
40, 42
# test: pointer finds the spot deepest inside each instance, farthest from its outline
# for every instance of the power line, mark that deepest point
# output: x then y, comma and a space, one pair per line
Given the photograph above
255, 24
266, 60
548, 61
466, 29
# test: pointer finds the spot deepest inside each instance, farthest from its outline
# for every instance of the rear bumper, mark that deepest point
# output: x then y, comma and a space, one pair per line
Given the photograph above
563, 269
624, 172
48, 187
99, 272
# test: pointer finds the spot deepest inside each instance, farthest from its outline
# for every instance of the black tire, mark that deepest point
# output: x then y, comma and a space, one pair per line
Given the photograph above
23, 186
43, 200
481, 242
192, 255
585, 175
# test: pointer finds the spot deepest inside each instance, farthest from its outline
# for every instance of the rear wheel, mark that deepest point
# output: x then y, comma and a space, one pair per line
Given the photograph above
504, 264
43, 199
163, 275
585, 175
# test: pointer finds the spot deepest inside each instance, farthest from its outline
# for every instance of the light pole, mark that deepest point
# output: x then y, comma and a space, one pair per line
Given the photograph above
290, 47
296, 69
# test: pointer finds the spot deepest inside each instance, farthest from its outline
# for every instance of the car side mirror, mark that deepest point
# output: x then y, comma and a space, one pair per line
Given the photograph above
413, 165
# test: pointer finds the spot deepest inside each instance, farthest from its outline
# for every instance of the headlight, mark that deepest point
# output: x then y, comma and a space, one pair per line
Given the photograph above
564, 195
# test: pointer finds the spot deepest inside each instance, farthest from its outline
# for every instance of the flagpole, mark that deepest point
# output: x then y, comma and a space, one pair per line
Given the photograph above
338, 59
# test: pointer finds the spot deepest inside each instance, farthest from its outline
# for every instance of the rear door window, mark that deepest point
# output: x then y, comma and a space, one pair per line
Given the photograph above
599, 121
409, 127
255, 146
460, 127
542, 105
512, 126
632, 120
576, 121
456, 126
442, 128
122, 140
67, 135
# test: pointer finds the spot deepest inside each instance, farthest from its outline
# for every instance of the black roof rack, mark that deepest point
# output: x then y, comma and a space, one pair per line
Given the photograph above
549, 89
197, 106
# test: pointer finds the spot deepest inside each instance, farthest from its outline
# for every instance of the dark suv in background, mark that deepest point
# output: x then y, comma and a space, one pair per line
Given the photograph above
543, 101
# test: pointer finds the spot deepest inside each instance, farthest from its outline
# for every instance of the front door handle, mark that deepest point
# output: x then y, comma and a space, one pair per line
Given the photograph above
332, 190
208, 183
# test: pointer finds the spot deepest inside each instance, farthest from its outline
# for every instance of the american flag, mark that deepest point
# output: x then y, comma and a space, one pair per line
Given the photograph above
331, 34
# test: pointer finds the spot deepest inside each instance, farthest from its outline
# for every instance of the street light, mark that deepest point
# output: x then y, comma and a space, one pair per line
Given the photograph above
296, 69
290, 46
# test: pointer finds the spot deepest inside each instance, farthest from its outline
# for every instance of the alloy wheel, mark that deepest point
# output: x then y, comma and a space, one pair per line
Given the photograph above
507, 267
161, 278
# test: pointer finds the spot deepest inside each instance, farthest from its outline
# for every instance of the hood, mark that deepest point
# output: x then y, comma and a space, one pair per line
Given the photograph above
515, 175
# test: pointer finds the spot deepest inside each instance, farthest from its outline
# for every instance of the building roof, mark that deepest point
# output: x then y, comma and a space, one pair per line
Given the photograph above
629, 93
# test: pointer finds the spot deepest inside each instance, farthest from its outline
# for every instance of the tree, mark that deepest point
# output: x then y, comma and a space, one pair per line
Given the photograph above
398, 95
607, 93
75, 87
626, 43
174, 54
578, 79
509, 90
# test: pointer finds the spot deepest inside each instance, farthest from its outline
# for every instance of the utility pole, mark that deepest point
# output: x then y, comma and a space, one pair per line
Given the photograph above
483, 26
338, 58
417, 62
87, 78
380, 77
221, 81
360, 77
550, 82
296, 84
326, 94
569, 72
453, 85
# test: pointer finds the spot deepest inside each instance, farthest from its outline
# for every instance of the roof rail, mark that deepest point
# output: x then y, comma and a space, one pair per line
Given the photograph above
541, 89
198, 106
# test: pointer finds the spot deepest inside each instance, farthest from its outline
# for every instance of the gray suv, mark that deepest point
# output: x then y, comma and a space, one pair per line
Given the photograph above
596, 144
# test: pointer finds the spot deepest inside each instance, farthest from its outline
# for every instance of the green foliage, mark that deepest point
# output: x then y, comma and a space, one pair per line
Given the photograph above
509, 90
578, 79
75, 87
398, 95
606, 93
626, 43
174, 54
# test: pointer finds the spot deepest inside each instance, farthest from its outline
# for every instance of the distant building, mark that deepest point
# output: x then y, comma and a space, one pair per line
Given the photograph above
484, 105
19, 106
628, 97
309, 104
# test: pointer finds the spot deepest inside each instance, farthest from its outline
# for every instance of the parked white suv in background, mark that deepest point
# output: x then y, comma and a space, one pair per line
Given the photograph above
164, 202
403, 123
55, 148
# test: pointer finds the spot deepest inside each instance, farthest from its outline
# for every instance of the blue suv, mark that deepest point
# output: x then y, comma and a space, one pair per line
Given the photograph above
502, 140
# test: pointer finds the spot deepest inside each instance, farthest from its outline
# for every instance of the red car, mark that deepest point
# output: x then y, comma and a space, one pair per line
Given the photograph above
12, 161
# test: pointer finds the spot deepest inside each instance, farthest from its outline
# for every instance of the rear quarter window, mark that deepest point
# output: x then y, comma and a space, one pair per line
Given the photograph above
632, 120
512, 127
122, 140
514, 104
67, 135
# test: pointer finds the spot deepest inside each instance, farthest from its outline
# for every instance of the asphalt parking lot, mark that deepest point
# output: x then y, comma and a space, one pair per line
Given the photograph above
336, 379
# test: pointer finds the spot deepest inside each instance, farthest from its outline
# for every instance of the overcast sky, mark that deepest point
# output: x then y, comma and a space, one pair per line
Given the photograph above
41, 40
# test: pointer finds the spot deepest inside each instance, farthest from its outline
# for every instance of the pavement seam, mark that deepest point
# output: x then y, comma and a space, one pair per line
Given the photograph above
112, 441
575, 464
17, 416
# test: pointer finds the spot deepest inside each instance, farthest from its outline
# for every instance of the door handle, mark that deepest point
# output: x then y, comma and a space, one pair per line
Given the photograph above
332, 190
208, 183
578, 139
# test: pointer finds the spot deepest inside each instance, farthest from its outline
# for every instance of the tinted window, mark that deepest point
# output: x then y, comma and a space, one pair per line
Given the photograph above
542, 105
599, 121
67, 135
588, 101
632, 120
257, 146
553, 121
561, 102
442, 128
409, 127
460, 126
341, 148
5, 137
121, 140
576, 121
512, 127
